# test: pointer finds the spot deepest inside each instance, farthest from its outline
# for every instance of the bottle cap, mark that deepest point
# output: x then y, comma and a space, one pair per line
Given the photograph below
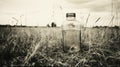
70, 15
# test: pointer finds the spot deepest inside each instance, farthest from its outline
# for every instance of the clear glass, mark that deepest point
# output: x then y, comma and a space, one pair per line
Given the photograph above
71, 31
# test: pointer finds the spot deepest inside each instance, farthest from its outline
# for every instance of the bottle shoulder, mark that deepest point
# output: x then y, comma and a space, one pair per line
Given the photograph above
69, 22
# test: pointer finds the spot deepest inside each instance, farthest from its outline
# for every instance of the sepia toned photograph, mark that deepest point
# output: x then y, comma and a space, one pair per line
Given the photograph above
59, 33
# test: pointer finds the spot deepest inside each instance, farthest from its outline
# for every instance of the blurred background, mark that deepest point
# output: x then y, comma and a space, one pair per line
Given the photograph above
43, 12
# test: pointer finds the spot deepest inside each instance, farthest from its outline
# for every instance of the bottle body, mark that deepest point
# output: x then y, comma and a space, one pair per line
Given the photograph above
71, 32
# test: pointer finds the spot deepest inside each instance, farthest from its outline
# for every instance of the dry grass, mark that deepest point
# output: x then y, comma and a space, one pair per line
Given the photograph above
44, 47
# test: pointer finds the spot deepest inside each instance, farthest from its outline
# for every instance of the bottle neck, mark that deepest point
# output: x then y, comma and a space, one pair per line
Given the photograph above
70, 18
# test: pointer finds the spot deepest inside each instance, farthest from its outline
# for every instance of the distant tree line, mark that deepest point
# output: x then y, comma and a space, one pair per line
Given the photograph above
52, 25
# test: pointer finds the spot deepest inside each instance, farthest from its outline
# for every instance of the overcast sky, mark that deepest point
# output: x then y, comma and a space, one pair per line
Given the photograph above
40, 12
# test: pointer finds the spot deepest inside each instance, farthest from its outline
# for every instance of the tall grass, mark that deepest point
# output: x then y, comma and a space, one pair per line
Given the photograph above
44, 47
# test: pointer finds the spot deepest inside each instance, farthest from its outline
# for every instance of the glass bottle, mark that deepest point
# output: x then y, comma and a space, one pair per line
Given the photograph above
71, 33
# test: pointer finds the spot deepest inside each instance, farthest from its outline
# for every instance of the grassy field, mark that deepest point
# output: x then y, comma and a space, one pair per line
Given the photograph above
27, 46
